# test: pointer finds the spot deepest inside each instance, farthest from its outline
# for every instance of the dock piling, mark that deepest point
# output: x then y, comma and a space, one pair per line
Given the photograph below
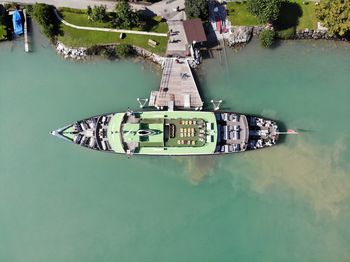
26, 40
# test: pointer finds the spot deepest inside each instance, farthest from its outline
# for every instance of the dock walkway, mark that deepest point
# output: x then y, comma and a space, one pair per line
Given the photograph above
177, 87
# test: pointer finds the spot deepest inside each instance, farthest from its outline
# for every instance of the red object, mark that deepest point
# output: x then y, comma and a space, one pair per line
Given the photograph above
218, 26
291, 131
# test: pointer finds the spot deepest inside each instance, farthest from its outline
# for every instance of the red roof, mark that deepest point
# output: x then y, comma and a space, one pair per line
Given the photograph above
194, 30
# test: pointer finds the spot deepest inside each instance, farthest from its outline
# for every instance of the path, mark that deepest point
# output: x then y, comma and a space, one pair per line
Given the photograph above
165, 8
108, 29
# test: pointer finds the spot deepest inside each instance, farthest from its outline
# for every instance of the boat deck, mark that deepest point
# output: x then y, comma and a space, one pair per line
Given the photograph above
185, 132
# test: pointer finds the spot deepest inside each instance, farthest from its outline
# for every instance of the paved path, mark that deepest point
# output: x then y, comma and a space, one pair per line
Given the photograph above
109, 29
165, 8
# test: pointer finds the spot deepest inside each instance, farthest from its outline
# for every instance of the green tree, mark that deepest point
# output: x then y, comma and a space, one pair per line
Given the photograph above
125, 16
267, 38
45, 16
2, 14
265, 10
197, 8
98, 13
335, 15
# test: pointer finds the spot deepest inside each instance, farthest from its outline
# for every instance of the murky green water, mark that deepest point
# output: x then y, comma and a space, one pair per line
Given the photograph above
59, 202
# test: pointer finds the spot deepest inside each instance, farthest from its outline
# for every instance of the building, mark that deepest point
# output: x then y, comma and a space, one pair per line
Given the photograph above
184, 36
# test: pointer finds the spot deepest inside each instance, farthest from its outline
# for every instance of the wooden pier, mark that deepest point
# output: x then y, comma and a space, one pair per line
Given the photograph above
177, 87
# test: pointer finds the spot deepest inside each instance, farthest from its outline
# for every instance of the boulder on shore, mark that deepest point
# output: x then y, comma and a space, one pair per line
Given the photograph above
240, 35
73, 53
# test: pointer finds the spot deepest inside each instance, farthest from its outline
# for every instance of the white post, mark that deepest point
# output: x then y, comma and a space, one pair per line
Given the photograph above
142, 102
216, 104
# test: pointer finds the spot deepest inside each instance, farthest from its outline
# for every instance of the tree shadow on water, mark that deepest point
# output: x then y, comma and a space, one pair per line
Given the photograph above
289, 16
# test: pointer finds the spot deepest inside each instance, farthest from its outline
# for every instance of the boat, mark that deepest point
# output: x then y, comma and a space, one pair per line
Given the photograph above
172, 133
17, 23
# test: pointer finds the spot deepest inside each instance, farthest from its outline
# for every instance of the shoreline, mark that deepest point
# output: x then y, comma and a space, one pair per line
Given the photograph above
81, 53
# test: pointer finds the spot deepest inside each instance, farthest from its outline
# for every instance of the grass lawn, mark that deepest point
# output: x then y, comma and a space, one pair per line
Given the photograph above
82, 38
80, 18
295, 14
2, 32
308, 18
239, 15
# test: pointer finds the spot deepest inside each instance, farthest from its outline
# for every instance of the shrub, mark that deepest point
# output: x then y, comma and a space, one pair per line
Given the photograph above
98, 13
288, 33
72, 10
265, 10
44, 15
108, 52
123, 50
93, 50
29, 9
267, 38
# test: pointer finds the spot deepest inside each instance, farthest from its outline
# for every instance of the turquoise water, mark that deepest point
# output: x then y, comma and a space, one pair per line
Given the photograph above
60, 202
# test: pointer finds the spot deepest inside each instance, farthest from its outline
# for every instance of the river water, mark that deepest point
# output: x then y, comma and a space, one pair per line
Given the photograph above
60, 202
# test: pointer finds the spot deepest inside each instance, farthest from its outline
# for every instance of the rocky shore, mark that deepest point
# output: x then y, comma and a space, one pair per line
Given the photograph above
82, 53
315, 34
242, 34
71, 53
149, 55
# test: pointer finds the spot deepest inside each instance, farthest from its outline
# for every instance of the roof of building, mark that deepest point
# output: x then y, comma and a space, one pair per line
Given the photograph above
194, 30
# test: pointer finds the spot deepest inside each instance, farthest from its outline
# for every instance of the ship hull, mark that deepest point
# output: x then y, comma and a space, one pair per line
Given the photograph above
256, 133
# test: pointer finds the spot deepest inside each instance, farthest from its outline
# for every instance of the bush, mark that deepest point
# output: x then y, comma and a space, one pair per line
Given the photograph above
97, 13
93, 50
267, 38
29, 9
288, 33
123, 50
197, 8
44, 15
120, 51
72, 10
108, 52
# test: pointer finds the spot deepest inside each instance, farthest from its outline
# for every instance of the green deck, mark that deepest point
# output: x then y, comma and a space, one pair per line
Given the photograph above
69, 132
130, 134
155, 143
113, 133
